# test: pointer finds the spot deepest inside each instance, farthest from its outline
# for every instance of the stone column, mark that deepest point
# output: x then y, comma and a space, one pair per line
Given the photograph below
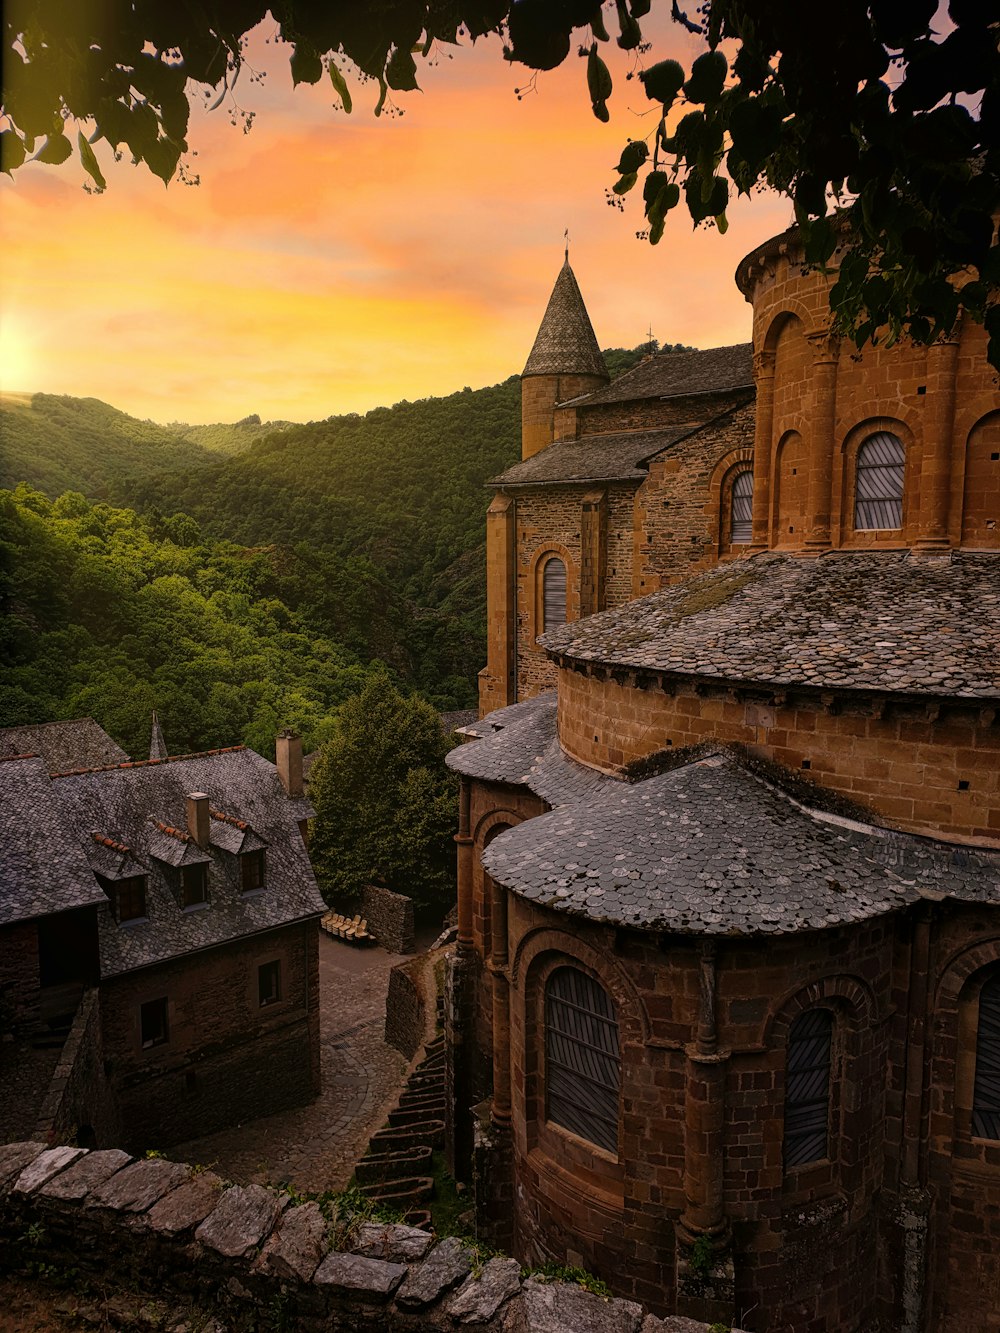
459, 1043
825, 350
501, 1007
463, 839
763, 374
493, 1176
915, 1199
935, 469
705, 1276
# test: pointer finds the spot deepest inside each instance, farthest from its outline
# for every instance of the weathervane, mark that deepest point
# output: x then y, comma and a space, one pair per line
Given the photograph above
566, 239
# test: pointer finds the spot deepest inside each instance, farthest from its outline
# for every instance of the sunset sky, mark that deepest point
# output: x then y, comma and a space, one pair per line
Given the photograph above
330, 263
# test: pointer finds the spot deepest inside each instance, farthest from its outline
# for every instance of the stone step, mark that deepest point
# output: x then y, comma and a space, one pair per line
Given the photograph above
374, 1168
417, 1082
421, 1097
401, 1193
419, 1217
398, 1139
424, 1115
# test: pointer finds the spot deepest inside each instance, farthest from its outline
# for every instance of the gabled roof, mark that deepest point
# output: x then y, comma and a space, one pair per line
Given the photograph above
618, 456
882, 622
43, 868
77, 744
565, 343
676, 374
138, 814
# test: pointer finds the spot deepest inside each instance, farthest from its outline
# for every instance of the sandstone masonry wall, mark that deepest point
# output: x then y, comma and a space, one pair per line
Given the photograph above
406, 1008
390, 918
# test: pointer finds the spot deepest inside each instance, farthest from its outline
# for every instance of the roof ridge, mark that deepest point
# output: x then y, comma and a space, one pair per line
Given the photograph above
177, 833
104, 841
28, 754
143, 763
228, 819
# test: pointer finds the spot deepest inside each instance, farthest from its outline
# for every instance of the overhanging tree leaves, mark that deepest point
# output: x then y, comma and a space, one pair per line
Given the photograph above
878, 120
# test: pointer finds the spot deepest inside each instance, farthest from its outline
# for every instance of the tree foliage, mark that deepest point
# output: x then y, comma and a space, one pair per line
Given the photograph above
877, 118
384, 801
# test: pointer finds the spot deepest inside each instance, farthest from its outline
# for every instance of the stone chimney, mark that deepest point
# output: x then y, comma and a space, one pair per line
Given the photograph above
288, 757
198, 823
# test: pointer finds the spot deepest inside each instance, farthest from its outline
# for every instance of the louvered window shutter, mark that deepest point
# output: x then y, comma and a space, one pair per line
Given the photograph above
554, 599
807, 1088
582, 1057
742, 516
878, 493
986, 1097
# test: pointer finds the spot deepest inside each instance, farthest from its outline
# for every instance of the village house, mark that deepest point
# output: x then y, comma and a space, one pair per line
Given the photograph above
158, 930
725, 1016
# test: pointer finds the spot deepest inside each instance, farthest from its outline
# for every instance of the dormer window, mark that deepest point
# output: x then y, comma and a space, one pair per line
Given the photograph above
251, 871
194, 885
128, 897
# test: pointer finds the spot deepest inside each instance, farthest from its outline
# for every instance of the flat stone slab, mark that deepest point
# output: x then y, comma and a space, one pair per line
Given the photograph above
563, 1307
85, 1175
187, 1205
296, 1248
371, 1280
138, 1186
44, 1167
445, 1267
478, 1300
394, 1242
14, 1157
243, 1217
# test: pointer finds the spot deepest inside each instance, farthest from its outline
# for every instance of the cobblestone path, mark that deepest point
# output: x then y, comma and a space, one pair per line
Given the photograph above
315, 1147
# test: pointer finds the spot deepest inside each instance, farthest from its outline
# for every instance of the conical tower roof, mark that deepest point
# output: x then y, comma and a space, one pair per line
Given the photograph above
566, 344
157, 745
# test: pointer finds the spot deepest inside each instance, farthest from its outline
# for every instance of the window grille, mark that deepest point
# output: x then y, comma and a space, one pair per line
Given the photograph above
554, 594
582, 1057
986, 1096
878, 491
741, 528
807, 1088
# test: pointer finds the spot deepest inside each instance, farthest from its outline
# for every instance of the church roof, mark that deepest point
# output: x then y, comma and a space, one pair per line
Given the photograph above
617, 456
711, 848
883, 622
81, 743
565, 343
675, 374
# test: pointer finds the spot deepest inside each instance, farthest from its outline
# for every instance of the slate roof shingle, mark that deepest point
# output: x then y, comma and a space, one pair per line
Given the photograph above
565, 343
671, 374
81, 743
710, 848
889, 622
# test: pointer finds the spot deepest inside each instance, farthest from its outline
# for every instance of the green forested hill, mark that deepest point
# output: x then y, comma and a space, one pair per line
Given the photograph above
226, 438
58, 443
110, 615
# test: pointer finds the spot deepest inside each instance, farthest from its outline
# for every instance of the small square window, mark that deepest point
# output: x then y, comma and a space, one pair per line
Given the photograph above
194, 884
153, 1023
251, 871
269, 983
130, 897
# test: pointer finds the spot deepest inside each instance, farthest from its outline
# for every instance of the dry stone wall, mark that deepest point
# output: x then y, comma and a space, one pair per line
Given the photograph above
390, 918
263, 1261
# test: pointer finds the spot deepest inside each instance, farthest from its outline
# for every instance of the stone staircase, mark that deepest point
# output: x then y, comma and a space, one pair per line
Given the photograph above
396, 1169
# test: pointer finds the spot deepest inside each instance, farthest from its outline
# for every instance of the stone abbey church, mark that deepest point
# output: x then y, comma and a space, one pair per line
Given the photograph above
725, 1015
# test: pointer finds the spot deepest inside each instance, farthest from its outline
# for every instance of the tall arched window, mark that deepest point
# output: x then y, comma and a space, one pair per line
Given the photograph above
807, 1088
582, 1057
878, 483
986, 1097
741, 526
553, 594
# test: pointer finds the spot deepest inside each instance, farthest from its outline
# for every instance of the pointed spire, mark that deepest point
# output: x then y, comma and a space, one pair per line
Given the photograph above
157, 745
566, 344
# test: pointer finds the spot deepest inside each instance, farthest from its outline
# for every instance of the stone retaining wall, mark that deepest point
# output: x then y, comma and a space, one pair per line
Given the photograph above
80, 1105
390, 918
264, 1262
406, 1008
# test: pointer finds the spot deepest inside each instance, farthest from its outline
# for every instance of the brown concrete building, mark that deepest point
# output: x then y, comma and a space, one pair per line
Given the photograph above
727, 1003
160, 918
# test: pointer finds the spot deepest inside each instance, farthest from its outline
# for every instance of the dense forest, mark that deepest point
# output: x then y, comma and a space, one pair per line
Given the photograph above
240, 578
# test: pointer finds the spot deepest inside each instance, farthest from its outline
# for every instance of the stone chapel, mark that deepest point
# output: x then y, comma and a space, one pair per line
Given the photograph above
724, 1021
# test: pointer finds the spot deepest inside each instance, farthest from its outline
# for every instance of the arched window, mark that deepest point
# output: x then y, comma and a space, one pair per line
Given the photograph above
741, 527
582, 1057
807, 1088
878, 484
553, 594
986, 1097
